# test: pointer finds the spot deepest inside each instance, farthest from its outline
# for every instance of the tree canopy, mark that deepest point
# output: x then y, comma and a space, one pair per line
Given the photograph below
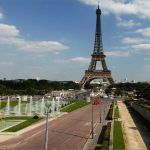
34, 87
140, 89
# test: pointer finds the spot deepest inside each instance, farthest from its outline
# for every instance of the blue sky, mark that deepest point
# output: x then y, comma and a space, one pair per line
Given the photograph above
53, 39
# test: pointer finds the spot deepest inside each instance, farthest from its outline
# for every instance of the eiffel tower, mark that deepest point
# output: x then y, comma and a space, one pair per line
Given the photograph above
97, 56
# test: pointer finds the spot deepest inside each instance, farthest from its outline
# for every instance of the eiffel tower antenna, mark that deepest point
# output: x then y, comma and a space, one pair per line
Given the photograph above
97, 56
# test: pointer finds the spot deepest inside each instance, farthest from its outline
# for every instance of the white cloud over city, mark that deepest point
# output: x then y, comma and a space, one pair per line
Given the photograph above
10, 35
45, 43
118, 53
81, 60
6, 63
126, 23
142, 47
130, 14
140, 8
130, 40
144, 32
1, 15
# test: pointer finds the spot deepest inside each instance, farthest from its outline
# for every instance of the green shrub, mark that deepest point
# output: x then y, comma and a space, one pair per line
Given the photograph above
110, 113
107, 132
97, 148
36, 117
105, 145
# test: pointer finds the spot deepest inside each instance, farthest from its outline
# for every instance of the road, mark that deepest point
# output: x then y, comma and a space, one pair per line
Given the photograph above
69, 132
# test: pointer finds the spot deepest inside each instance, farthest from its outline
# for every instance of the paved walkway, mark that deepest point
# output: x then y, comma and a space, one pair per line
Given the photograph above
4, 136
133, 139
94, 143
69, 132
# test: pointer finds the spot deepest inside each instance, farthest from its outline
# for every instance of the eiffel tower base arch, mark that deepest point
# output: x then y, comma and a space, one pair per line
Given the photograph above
95, 74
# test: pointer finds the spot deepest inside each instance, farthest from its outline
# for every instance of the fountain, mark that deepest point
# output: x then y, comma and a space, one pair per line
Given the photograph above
19, 106
58, 98
42, 107
30, 107
8, 106
53, 106
36, 107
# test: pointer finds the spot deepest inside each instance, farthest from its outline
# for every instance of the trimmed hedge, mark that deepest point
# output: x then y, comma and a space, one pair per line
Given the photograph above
110, 113
36, 117
105, 143
107, 132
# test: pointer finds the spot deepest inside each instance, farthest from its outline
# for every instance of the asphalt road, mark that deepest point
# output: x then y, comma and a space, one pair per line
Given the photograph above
69, 132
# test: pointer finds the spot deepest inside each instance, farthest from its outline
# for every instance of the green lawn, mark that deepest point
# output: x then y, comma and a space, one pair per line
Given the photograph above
74, 106
118, 141
28, 121
116, 115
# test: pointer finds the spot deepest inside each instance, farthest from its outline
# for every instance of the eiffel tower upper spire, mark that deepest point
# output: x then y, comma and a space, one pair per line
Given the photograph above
98, 45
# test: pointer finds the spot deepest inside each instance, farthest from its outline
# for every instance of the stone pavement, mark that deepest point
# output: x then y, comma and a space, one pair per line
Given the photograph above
132, 137
4, 136
69, 132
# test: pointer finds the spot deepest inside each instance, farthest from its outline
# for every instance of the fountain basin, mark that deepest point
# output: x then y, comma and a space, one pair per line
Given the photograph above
5, 124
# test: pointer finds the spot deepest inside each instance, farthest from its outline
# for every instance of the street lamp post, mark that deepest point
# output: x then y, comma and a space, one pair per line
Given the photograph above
92, 95
92, 121
48, 105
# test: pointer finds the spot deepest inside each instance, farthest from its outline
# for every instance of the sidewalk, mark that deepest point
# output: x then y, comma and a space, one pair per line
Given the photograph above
4, 136
132, 137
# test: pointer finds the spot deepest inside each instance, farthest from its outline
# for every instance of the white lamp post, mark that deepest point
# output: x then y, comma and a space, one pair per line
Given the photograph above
47, 105
91, 96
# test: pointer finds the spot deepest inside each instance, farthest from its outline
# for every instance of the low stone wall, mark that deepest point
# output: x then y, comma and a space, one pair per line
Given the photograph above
141, 110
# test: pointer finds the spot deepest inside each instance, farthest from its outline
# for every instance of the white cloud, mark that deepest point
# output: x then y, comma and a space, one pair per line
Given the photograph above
81, 60
6, 63
10, 35
1, 15
145, 32
126, 23
118, 53
129, 40
86, 60
142, 47
148, 58
8, 30
140, 8
147, 66
41, 46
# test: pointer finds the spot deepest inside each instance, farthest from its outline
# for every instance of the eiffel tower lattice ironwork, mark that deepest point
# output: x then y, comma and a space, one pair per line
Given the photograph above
97, 56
